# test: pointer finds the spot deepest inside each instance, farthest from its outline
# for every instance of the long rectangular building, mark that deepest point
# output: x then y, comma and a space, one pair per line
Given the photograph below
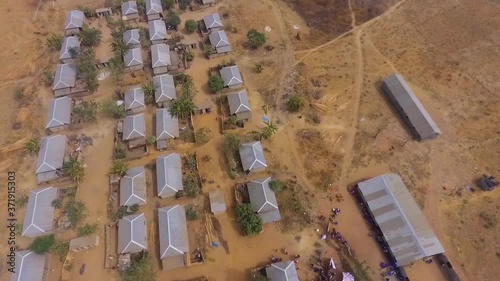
410, 108
404, 227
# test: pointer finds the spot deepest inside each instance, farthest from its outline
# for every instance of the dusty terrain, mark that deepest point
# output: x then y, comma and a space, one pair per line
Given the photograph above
447, 50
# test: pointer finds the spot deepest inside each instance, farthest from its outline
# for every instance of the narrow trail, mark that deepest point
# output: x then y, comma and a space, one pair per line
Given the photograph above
353, 16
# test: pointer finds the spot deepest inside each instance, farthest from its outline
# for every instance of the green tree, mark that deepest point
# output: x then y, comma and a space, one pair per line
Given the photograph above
120, 151
208, 50
294, 103
191, 186
182, 107
191, 213
111, 109
89, 36
119, 168
74, 169
86, 11
255, 38
87, 70
173, 19
249, 221
76, 212
167, 4
191, 26
189, 55
54, 42
276, 185
150, 140
257, 276
119, 47
215, 83
86, 111
203, 135
232, 143
148, 88
184, 4
188, 88
42, 244
87, 229
47, 77
269, 130
116, 66
141, 270
61, 250
32, 146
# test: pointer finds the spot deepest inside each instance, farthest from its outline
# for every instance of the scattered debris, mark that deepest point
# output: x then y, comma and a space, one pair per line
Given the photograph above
267, 28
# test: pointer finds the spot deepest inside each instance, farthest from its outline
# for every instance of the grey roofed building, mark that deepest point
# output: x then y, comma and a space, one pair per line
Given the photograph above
132, 233
217, 201
65, 76
404, 227
160, 55
173, 233
168, 175
252, 156
219, 41
132, 37
74, 19
231, 76
165, 88
282, 271
408, 105
133, 187
134, 98
134, 127
68, 43
212, 21
239, 105
39, 216
167, 126
59, 112
51, 153
263, 200
206, 2
133, 57
157, 30
129, 8
153, 7
29, 266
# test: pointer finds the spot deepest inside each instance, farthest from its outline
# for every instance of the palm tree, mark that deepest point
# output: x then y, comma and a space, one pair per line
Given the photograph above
74, 169
182, 108
119, 47
32, 146
269, 130
89, 37
119, 168
148, 88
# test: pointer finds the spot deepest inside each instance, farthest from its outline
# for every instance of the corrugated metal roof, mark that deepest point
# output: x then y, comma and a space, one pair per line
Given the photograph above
205, 2
39, 216
416, 116
157, 30
168, 175
282, 271
74, 19
51, 154
129, 8
172, 228
238, 102
153, 7
59, 112
132, 37
167, 127
65, 76
133, 57
84, 241
132, 233
165, 88
217, 201
218, 39
133, 187
134, 98
212, 21
134, 126
252, 156
403, 225
68, 43
231, 75
263, 199
29, 266
160, 55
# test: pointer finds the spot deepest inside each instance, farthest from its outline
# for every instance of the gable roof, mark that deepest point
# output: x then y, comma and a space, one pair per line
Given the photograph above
238, 102
134, 126
212, 21
409, 236
132, 37
153, 7
218, 39
74, 19
165, 88
168, 175
129, 8
157, 30
51, 153
59, 113
134, 98
133, 187
160, 55
263, 200
167, 127
65, 76
29, 266
252, 156
231, 75
282, 271
173, 231
132, 234
217, 201
39, 216
133, 57
68, 43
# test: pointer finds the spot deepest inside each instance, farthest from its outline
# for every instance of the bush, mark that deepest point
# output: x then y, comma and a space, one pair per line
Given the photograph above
167, 4
87, 229
74, 169
203, 135
54, 42
248, 219
206, 158
208, 50
189, 55
119, 168
57, 203
184, 4
86, 11
47, 77
89, 37
173, 19
21, 201
76, 212
257, 276
87, 71
191, 213
215, 83
134, 208
294, 103
148, 88
191, 186
61, 250
182, 108
111, 109
86, 111
42, 244
19, 93
258, 68
150, 140
120, 151
232, 143
191, 162
32, 146
255, 38
276, 185
141, 270
191, 26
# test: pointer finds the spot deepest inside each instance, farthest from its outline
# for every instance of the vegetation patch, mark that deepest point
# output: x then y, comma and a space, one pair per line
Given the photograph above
295, 207
42, 244
142, 269
249, 221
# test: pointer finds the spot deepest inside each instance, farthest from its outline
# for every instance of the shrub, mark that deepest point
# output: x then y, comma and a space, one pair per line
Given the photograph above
21, 200
173, 19
47, 77
206, 158
150, 140
87, 229
294, 103
87, 111
191, 162
258, 67
120, 151
111, 109
74, 169
208, 50
54, 42
87, 71
276, 185
89, 37
134, 208
182, 108
42, 244
57, 203
191, 213
257, 276
191, 186
191, 26
203, 135
148, 88
119, 168
86, 11
32, 146
19, 93
249, 221
188, 88
61, 250
232, 143
189, 55
255, 38
215, 83
167, 4
184, 4
76, 212
140, 270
